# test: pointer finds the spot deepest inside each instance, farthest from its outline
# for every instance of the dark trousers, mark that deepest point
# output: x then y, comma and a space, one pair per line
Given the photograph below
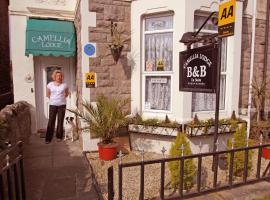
54, 111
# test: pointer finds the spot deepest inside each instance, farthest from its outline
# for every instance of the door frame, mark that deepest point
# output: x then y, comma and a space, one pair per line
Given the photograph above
40, 78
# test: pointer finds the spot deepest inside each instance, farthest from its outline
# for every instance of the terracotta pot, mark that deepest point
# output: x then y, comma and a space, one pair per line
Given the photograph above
266, 153
116, 53
107, 151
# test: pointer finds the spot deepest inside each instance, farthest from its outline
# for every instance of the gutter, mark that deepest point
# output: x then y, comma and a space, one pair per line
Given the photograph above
252, 54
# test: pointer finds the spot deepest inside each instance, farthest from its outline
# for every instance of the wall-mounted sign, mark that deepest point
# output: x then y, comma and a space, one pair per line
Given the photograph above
198, 69
158, 80
90, 49
90, 80
226, 18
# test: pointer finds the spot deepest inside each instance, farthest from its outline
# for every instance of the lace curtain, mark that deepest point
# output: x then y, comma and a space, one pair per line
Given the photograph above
158, 93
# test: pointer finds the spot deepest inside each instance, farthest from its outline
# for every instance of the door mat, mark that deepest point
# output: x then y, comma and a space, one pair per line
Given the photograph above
42, 133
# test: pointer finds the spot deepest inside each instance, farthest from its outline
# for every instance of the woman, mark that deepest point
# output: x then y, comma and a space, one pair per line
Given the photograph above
56, 91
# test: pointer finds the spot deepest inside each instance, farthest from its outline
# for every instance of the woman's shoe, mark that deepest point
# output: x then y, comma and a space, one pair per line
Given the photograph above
58, 139
47, 142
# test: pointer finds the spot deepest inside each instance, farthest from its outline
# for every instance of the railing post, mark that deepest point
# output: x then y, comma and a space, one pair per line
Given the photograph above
258, 175
162, 173
142, 177
1, 187
16, 180
246, 164
231, 167
181, 182
120, 180
21, 170
120, 176
199, 173
110, 183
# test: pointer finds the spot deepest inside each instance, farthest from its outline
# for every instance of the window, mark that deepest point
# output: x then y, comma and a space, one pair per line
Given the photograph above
158, 62
207, 101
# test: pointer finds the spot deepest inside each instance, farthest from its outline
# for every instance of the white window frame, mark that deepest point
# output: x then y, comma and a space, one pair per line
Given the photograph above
155, 73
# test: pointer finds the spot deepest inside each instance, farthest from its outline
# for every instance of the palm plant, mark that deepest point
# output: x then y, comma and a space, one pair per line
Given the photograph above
103, 119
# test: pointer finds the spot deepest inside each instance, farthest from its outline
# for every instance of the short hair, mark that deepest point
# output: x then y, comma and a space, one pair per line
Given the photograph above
57, 71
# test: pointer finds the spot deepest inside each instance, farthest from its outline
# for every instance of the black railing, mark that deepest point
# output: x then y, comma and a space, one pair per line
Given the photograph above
198, 190
12, 185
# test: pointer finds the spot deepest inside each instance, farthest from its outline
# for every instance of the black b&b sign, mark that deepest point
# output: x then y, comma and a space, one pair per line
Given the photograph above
198, 69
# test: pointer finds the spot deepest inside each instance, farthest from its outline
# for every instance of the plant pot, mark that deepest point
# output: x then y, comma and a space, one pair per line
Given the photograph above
116, 53
266, 153
107, 151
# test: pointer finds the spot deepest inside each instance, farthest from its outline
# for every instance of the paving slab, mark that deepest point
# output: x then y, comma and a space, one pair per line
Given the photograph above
56, 171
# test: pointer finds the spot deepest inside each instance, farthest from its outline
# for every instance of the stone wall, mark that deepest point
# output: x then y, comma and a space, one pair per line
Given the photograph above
258, 52
113, 79
18, 118
77, 23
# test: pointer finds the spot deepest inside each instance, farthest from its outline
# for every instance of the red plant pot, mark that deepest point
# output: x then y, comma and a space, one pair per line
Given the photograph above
107, 151
266, 153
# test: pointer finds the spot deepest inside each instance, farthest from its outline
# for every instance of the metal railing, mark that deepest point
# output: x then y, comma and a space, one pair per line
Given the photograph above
12, 182
198, 190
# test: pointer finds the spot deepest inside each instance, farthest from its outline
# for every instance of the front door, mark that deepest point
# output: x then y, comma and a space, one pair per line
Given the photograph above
44, 67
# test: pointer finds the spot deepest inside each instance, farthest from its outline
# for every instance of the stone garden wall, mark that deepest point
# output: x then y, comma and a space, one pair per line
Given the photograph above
18, 119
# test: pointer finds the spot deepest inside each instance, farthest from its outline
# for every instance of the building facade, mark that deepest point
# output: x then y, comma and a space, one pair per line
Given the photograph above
6, 88
147, 71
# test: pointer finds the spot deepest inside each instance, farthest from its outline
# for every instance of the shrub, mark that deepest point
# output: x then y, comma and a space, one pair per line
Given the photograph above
239, 157
174, 166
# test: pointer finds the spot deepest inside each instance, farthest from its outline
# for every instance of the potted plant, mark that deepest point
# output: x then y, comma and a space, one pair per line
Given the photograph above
117, 42
103, 120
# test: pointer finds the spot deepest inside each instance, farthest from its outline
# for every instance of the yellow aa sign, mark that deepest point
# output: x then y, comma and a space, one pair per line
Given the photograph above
90, 79
226, 18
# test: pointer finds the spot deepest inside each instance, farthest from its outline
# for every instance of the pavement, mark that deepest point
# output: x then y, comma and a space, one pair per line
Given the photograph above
57, 171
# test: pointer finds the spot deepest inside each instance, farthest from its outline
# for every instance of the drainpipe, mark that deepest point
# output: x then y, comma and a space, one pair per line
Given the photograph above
266, 49
251, 63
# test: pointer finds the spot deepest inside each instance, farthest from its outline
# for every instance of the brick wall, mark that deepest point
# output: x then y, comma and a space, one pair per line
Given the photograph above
113, 79
6, 95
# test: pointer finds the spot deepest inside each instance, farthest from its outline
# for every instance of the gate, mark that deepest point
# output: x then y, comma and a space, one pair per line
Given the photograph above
12, 185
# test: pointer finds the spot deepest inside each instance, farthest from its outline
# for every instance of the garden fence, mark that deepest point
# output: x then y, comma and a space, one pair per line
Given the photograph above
259, 176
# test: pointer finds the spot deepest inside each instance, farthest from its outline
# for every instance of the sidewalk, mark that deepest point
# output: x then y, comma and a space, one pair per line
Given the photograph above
56, 171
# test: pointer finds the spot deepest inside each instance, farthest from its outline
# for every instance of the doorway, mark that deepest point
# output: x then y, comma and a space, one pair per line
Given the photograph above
44, 67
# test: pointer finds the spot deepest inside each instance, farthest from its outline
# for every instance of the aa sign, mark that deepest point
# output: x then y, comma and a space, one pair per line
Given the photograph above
90, 80
226, 18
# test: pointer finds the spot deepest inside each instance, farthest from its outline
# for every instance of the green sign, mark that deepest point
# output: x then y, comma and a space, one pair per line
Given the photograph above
49, 37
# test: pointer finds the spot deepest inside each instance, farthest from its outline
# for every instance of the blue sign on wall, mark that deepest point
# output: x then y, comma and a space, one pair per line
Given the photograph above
89, 49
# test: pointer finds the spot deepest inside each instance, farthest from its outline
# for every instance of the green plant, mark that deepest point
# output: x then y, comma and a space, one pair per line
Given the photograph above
240, 140
174, 166
138, 120
105, 118
117, 37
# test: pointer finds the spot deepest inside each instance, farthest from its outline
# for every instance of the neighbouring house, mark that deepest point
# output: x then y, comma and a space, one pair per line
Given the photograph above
6, 88
75, 36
